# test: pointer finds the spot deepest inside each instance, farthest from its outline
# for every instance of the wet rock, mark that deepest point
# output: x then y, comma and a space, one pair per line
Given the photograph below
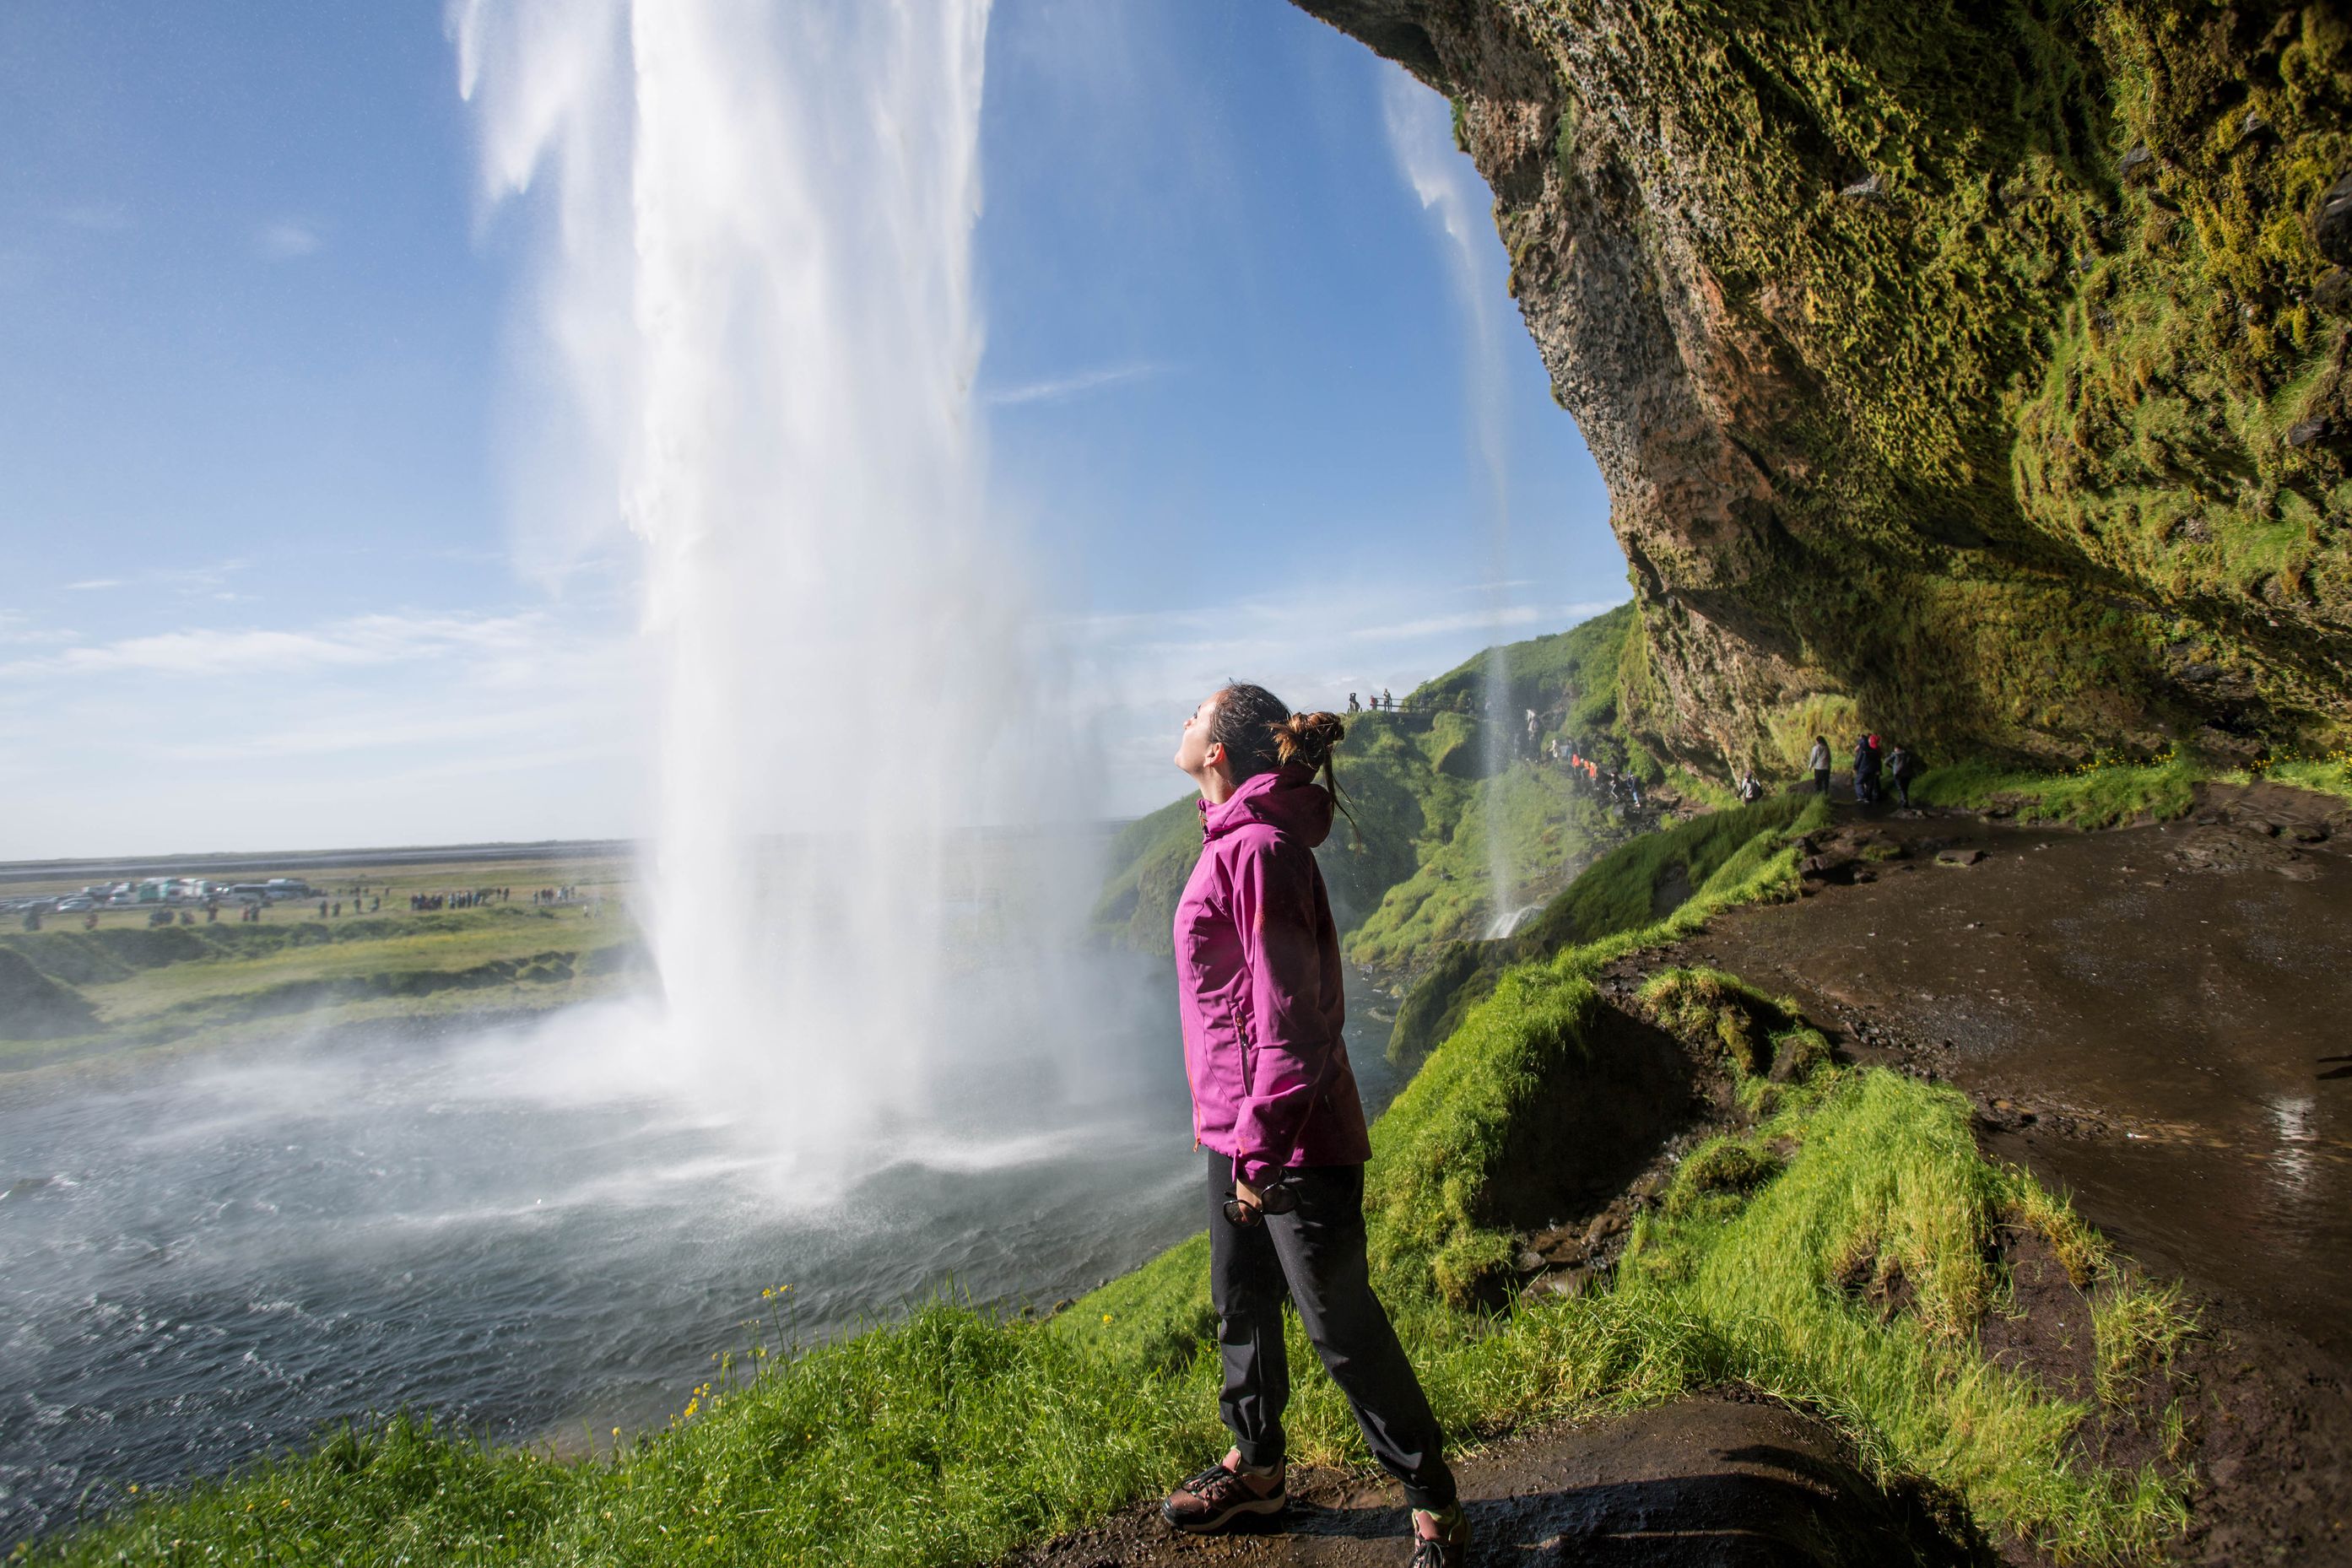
2331, 229
1529, 1261
1867, 190
1569, 1283
2333, 293
1958, 856
2254, 125
1602, 1229
2307, 432
2136, 164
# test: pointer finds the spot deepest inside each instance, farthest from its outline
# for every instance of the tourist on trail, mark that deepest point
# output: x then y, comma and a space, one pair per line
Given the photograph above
1351, 704
1388, 698
1751, 788
1820, 762
1866, 772
1900, 767
1275, 1102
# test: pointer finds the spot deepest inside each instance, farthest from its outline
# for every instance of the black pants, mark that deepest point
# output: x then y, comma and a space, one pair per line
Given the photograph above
1820, 780
1316, 1253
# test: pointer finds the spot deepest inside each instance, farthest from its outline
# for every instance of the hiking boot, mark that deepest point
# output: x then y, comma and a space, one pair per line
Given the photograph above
1439, 1540
1213, 1500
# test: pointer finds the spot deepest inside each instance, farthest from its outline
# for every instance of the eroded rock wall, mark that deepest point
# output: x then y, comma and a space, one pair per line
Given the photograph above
1976, 372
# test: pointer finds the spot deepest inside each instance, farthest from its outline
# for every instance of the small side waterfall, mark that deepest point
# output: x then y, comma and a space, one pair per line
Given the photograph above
1451, 190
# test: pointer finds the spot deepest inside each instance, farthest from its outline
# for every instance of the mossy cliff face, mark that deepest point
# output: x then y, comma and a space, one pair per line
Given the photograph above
1974, 373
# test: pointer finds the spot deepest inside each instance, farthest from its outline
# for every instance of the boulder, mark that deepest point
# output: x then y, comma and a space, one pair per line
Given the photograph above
2331, 230
2333, 293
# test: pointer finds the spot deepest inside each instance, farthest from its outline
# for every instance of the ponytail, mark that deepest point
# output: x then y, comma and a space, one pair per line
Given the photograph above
1260, 734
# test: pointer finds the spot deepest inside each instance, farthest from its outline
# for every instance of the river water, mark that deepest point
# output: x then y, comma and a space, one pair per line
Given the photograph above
213, 1259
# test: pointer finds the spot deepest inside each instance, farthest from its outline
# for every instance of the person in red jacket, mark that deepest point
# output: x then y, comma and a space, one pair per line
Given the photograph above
1261, 996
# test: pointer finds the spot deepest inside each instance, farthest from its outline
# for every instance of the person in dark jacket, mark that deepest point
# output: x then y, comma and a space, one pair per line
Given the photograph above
1259, 984
1866, 772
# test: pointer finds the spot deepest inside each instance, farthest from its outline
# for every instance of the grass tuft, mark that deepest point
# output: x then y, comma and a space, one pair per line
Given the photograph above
2138, 1328
2097, 794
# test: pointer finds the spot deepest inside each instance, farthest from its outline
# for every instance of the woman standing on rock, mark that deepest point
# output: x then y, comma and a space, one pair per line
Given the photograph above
1274, 1104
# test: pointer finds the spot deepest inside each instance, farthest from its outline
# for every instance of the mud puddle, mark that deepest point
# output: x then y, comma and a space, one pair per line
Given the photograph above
2154, 1018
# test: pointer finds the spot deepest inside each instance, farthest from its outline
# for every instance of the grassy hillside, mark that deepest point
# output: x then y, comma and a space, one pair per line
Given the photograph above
1625, 889
1414, 873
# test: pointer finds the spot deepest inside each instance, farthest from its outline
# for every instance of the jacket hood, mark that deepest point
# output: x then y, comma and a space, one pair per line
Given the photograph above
1288, 800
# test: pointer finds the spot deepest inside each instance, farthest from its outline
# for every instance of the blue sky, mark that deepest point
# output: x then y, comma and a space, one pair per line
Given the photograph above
265, 576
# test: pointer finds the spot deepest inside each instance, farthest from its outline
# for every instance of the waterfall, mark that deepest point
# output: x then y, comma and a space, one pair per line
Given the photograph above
1450, 189
756, 299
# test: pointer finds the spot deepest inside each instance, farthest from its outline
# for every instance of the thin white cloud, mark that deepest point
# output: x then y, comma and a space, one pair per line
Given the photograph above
285, 239
361, 640
418, 727
1055, 389
211, 581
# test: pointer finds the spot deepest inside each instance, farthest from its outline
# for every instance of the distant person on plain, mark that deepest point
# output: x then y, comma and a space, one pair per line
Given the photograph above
1260, 995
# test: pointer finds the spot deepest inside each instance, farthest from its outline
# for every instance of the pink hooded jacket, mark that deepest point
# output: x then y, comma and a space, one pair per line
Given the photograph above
1259, 984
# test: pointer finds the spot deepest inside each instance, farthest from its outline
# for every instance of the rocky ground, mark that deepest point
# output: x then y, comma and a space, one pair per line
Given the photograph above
2149, 1017
1719, 1480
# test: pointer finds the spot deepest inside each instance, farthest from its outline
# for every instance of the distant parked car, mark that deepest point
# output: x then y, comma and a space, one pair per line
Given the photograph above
75, 905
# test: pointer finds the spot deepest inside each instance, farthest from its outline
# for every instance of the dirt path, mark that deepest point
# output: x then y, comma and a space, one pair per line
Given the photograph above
2155, 1018
1702, 1481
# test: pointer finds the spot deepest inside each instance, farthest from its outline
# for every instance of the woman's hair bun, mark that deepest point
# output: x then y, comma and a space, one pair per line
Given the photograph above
1308, 738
